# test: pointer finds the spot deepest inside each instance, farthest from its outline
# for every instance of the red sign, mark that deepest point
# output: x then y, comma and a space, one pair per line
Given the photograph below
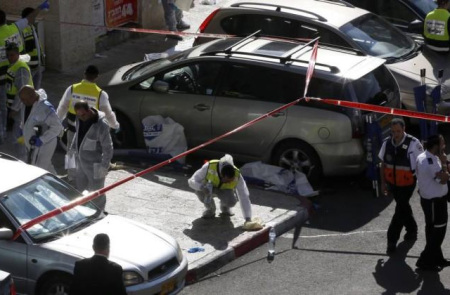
119, 12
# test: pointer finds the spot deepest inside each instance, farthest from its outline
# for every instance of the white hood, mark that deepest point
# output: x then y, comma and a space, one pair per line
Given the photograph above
133, 245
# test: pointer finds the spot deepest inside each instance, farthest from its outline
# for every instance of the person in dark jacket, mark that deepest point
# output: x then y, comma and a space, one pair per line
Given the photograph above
97, 275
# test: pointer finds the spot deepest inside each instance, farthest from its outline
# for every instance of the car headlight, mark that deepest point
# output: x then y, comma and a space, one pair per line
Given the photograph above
179, 253
131, 278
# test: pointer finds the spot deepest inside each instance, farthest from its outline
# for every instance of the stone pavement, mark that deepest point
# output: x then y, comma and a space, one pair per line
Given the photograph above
162, 198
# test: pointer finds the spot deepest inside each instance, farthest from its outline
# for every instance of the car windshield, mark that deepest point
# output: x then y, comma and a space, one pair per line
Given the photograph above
43, 195
424, 6
377, 37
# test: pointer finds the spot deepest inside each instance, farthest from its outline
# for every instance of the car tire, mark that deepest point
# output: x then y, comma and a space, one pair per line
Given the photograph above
125, 138
298, 155
56, 284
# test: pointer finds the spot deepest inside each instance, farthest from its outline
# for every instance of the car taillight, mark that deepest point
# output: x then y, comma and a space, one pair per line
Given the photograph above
12, 288
207, 20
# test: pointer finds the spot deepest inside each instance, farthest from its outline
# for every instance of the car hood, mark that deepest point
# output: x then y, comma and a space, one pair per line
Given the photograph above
114, 77
133, 245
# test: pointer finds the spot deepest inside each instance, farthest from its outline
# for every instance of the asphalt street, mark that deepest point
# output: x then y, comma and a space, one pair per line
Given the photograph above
341, 251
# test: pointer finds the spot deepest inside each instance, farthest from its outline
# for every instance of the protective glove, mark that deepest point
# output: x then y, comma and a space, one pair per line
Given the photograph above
253, 224
36, 141
44, 5
20, 140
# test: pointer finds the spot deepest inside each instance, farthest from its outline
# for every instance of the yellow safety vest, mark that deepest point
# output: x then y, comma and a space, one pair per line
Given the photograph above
11, 89
31, 48
212, 175
435, 30
8, 33
84, 90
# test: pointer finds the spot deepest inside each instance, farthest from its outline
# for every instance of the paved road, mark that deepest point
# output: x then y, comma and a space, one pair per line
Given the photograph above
341, 251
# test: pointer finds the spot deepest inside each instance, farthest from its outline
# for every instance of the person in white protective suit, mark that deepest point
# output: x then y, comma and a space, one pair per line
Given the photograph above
92, 149
221, 179
41, 128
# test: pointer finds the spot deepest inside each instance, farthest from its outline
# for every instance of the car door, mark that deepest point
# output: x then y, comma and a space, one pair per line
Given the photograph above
13, 255
245, 93
189, 100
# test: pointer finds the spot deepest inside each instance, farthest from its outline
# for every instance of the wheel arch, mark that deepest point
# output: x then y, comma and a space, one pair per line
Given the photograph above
46, 276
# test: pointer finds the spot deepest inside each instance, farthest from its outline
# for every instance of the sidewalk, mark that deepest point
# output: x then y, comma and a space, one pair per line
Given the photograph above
163, 199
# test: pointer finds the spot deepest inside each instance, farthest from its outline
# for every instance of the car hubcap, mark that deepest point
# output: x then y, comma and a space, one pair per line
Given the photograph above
296, 160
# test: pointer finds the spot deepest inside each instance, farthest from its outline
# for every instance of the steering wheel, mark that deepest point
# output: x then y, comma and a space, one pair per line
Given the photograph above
184, 79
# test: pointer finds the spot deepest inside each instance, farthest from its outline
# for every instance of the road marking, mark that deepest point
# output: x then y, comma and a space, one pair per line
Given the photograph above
289, 235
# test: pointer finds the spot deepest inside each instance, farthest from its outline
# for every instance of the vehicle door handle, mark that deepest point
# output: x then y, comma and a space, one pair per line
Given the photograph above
279, 114
202, 107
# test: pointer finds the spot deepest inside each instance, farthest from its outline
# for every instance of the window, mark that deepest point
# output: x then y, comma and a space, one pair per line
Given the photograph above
198, 78
246, 24
252, 82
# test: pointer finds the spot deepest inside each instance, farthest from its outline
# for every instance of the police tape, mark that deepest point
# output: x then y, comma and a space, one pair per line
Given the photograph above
384, 110
178, 33
360, 106
150, 31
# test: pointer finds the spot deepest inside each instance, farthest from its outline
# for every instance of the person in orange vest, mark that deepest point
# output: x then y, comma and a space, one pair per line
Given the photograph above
398, 156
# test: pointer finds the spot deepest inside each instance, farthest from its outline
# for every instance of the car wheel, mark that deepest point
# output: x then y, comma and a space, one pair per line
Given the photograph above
57, 284
125, 138
297, 155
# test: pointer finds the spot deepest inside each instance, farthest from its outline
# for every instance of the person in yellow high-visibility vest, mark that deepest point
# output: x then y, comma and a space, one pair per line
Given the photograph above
18, 75
436, 27
221, 179
10, 33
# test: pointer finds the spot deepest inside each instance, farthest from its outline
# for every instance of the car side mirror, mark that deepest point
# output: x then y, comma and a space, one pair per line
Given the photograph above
416, 26
5, 233
160, 86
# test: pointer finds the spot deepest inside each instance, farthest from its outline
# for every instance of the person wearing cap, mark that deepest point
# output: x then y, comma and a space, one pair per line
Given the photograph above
398, 156
221, 179
86, 90
98, 275
436, 28
11, 33
432, 178
17, 76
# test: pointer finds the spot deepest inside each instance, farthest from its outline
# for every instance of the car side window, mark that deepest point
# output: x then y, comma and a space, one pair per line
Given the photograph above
198, 78
245, 24
252, 82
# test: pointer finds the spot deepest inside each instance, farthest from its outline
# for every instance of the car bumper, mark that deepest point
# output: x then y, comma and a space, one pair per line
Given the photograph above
172, 283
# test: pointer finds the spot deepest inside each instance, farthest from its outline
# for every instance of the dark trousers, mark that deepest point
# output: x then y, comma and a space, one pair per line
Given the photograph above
403, 215
436, 217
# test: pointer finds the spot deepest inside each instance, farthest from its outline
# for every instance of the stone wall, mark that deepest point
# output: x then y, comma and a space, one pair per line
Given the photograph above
67, 45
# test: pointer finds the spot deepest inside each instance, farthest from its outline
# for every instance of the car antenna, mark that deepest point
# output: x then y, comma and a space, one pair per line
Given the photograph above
228, 49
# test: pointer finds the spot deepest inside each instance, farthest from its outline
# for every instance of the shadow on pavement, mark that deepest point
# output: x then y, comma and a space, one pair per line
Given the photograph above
395, 275
223, 232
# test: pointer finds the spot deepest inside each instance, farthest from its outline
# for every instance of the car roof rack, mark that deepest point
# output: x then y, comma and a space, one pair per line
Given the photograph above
287, 57
347, 4
8, 157
279, 7
228, 49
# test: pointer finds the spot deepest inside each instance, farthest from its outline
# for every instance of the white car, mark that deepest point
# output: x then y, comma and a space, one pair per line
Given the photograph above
42, 258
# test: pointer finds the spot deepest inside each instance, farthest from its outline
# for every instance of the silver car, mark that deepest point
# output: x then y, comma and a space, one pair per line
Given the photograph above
338, 24
42, 258
7, 286
218, 86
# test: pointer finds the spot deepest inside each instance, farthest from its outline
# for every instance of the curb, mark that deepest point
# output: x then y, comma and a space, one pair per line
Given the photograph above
282, 224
